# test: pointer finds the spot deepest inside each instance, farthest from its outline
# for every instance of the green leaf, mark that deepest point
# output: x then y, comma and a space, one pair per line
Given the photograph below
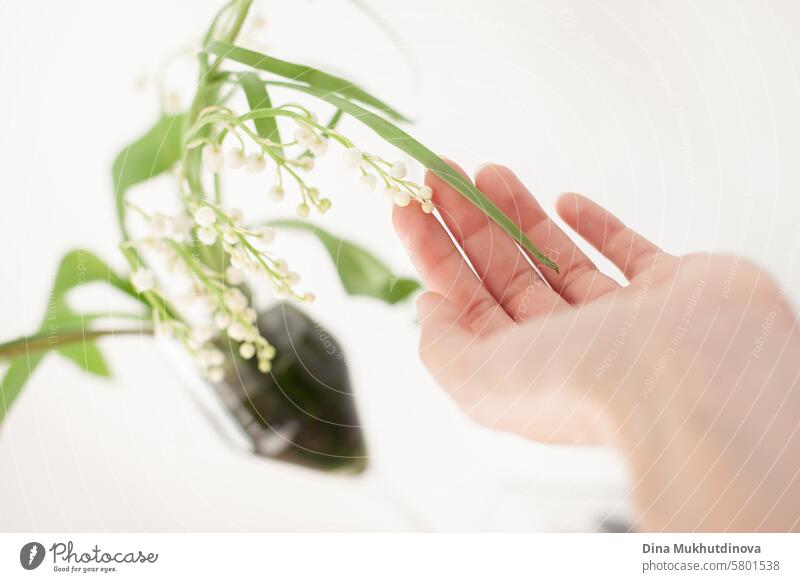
294, 72
81, 266
216, 32
361, 272
17, 374
87, 355
342, 94
62, 329
257, 98
150, 155
434, 163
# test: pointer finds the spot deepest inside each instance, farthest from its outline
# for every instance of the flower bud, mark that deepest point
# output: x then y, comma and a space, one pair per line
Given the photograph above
319, 147
205, 216
352, 157
267, 234
256, 163
276, 193
222, 320
398, 170
236, 215
234, 276
230, 236
368, 182
207, 235
247, 350
402, 198
306, 163
305, 136
237, 332
239, 261
236, 158
235, 300
213, 159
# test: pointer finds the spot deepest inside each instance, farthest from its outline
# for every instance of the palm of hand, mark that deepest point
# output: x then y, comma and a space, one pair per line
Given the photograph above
483, 317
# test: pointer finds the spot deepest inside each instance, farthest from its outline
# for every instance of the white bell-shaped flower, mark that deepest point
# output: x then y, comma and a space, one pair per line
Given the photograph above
207, 235
368, 182
256, 163
402, 198
398, 170
352, 157
205, 216
236, 158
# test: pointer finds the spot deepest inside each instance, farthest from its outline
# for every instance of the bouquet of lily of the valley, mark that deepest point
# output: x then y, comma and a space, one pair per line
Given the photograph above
190, 270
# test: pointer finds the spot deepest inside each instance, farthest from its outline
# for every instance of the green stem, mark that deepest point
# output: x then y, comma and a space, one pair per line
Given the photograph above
45, 341
208, 94
208, 85
332, 123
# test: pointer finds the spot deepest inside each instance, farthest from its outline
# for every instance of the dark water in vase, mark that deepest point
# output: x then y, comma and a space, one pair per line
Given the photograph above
303, 411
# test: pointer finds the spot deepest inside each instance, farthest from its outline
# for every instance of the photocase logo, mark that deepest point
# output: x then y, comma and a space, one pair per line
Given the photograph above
31, 555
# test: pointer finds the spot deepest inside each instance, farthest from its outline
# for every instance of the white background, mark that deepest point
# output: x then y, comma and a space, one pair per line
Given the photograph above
682, 117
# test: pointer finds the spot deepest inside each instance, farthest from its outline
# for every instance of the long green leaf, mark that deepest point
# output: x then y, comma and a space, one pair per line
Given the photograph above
242, 7
60, 321
15, 377
87, 355
434, 163
303, 73
257, 97
150, 155
81, 266
361, 272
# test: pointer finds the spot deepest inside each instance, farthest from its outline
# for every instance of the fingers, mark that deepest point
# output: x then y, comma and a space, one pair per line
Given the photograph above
630, 252
503, 268
445, 271
578, 280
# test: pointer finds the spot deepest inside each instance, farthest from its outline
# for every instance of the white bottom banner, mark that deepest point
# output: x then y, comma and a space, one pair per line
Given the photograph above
402, 557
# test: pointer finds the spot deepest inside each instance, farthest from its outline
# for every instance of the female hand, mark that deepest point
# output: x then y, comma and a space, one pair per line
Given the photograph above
688, 369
